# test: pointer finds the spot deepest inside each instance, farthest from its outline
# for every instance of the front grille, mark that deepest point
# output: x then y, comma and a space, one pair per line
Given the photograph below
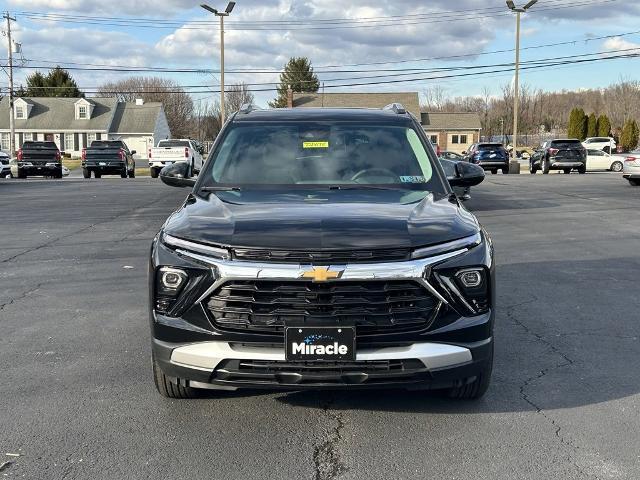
319, 373
338, 256
374, 307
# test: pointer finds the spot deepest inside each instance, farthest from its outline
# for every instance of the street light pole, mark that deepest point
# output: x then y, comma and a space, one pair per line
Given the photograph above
226, 13
514, 165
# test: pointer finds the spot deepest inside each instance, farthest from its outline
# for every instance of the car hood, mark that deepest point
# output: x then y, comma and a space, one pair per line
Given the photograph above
329, 220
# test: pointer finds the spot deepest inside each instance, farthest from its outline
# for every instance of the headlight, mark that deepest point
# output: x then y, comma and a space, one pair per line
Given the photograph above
460, 244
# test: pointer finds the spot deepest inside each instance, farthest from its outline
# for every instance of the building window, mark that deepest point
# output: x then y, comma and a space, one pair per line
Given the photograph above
20, 112
28, 137
4, 142
463, 139
82, 111
91, 137
68, 142
434, 139
455, 139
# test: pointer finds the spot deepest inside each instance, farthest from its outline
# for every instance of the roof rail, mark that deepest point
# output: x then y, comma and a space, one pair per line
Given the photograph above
248, 108
396, 107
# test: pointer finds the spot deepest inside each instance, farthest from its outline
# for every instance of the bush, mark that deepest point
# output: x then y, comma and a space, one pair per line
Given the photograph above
629, 136
604, 126
577, 124
592, 126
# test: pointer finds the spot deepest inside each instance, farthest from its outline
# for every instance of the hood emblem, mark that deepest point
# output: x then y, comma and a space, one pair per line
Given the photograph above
322, 274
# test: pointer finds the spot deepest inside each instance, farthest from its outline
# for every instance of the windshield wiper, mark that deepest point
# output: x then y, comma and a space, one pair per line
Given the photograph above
363, 187
220, 188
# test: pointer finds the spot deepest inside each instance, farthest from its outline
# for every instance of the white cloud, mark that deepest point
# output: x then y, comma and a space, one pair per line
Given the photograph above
619, 43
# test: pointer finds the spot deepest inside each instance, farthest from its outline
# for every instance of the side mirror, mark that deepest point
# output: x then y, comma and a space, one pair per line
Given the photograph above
176, 175
133, 152
466, 175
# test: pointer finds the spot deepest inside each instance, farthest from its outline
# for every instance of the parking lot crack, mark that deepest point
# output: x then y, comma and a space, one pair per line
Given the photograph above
20, 296
326, 455
566, 362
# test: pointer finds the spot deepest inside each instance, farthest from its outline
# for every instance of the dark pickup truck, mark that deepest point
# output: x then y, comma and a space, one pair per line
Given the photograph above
38, 158
108, 157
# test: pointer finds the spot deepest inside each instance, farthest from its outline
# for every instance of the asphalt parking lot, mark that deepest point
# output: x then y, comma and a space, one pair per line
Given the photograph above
78, 400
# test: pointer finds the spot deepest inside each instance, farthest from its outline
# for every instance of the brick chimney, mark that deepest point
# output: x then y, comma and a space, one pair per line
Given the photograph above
289, 97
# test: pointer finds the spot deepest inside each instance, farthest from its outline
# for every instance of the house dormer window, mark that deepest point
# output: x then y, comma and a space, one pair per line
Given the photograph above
20, 113
82, 112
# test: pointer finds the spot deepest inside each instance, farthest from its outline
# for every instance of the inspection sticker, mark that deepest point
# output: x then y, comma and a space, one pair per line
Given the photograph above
315, 144
413, 179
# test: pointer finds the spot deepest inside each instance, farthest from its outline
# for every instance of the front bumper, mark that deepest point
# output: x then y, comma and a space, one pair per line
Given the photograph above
452, 350
228, 366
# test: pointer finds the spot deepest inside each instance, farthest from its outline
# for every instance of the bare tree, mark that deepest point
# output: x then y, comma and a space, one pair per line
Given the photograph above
178, 105
235, 96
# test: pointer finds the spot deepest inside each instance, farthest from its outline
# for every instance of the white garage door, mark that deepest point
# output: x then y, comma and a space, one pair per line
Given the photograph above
140, 144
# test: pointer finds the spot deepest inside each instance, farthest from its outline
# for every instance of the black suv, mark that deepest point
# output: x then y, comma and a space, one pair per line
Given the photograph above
562, 155
322, 248
490, 156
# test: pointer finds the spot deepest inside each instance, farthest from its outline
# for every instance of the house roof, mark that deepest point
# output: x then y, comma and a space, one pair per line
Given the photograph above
450, 121
132, 118
410, 100
109, 115
56, 113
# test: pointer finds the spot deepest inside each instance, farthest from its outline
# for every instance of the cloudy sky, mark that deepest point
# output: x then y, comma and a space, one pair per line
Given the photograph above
403, 42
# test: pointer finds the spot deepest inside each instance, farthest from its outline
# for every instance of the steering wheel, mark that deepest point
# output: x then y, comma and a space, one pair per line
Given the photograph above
379, 172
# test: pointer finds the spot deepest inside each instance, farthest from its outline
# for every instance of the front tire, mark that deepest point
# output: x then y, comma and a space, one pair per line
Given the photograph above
582, 170
97, 174
21, 175
86, 173
505, 171
567, 171
477, 388
155, 172
532, 169
167, 388
616, 167
132, 174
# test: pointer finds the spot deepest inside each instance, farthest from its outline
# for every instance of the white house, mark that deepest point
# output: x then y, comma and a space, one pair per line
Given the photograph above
73, 123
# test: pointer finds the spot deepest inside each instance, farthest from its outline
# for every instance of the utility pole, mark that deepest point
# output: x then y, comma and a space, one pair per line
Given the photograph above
226, 13
514, 165
12, 127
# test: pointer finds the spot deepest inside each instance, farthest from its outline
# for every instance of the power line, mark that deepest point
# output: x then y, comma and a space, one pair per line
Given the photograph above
297, 24
536, 65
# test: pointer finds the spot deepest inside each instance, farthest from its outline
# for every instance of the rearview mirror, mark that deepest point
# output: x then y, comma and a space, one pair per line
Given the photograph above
466, 175
176, 175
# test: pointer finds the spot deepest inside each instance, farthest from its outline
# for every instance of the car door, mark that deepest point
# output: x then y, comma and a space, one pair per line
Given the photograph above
597, 160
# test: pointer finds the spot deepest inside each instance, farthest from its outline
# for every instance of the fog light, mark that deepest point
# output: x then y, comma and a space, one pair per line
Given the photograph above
470, 278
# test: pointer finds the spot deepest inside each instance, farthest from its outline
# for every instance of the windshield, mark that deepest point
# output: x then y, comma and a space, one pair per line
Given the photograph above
305, 153
173, 143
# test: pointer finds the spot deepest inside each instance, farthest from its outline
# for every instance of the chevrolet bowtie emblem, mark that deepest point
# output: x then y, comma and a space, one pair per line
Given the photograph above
322, 274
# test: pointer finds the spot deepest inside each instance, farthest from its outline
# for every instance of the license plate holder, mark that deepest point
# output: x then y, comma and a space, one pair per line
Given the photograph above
317, 344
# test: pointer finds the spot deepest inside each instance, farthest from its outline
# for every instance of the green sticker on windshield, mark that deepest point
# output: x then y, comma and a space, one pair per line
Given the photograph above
315, 144
413, 179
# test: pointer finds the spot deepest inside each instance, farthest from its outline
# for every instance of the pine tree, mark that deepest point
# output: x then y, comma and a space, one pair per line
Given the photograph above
629, 136
577, 124
57, 83
592, 126
604, 126
298, 74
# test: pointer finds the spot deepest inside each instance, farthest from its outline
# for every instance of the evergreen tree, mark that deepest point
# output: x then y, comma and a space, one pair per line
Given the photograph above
629, 136
298, 74
57, 83
604, 126
592, 126
577, 124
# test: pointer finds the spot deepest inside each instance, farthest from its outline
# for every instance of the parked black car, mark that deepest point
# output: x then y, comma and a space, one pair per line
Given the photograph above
38, 159
565, 155
108, 157
322, 248
490, 156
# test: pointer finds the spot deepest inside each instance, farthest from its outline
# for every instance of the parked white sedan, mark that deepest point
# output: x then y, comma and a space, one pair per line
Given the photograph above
599, 160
